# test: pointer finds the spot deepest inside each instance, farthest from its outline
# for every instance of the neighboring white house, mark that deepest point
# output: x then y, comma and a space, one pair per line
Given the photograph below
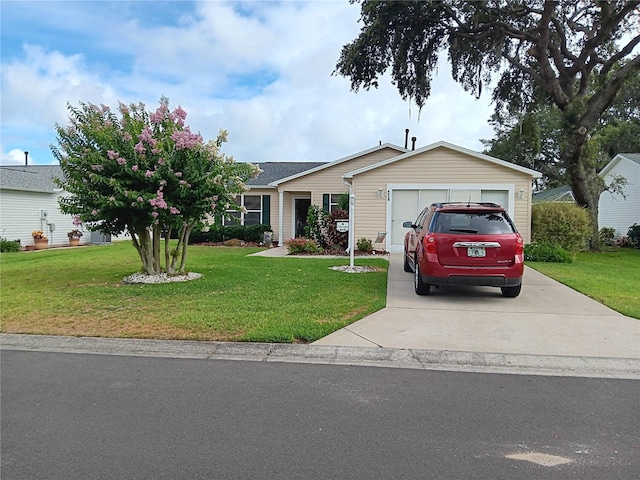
29, 201
614, 210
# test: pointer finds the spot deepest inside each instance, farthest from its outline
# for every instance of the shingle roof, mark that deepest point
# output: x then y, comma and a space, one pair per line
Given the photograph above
272, 171
558, 194
34, 178
634, 157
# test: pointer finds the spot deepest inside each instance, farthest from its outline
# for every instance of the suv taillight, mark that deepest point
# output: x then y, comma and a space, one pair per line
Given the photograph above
519, 245
430, 244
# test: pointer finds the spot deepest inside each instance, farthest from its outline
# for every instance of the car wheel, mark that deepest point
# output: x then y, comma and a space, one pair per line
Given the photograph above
407, 266
420, 287
511, 292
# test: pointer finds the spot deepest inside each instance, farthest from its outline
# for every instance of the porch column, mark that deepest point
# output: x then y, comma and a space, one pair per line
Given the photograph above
280, 218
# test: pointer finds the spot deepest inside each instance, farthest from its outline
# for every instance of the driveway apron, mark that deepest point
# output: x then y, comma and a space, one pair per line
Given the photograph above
548, 318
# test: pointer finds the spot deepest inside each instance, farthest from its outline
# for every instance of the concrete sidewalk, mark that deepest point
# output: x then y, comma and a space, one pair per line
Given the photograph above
548, 318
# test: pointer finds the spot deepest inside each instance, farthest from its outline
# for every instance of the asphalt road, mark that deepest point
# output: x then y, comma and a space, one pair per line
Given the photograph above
81, 416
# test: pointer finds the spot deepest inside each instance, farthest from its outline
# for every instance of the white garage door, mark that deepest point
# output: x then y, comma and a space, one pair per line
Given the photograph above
406, 203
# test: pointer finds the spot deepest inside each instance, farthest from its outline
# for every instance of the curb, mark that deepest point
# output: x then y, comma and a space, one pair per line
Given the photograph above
592, 367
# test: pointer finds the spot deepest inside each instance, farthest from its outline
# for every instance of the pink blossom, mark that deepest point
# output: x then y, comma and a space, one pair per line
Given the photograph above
185, 139
163, 182
148, 174
97, 168
180, 115
213, 206
174, 211
134, 168
139, 148
147, 136
126, 136
121, 161
112, 155
140, 199
182, 182
76, 221
94, 212
161, 162
154, 214
178, 174
133, 204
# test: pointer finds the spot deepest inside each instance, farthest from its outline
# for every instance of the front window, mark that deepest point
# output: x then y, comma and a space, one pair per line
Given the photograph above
246, 211
334, 199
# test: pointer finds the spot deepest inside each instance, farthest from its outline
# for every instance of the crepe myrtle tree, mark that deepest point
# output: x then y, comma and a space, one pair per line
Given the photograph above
145, 173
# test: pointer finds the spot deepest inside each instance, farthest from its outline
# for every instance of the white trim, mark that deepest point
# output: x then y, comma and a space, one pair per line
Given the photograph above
280, 218
450, 146
336, 162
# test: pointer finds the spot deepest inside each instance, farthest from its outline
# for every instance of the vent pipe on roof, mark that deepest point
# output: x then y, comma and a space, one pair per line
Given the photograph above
26, 158
406, 138
413, 143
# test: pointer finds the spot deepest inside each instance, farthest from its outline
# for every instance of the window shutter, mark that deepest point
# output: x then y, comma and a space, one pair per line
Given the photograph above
325, 202
266, 209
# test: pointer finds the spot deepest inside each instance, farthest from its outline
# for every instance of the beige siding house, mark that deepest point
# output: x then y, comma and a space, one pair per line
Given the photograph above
390, 185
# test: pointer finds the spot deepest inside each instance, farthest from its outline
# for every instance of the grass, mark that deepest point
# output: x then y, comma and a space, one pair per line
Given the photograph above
611, 278
79, 292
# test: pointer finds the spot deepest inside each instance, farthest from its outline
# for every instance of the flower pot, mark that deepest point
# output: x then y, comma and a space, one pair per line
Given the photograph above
41, 244
74, 242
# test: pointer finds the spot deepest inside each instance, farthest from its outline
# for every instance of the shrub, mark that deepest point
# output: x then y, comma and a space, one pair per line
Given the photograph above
314, 229
364, 245
561, 223
332, 236
220, 233
624, 242
9, 245
546, 252
634, 235
608, 236
301, 245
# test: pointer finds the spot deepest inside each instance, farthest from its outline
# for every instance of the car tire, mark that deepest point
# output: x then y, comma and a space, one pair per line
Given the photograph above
407, 265
421, 288
511, 292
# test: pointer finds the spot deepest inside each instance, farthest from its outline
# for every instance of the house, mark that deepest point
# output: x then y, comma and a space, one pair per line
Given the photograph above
388, 184
558, 194
29, 201
615, 210
391, 185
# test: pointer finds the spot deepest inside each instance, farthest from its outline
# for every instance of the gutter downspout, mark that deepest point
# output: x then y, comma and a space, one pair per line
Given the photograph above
280, 217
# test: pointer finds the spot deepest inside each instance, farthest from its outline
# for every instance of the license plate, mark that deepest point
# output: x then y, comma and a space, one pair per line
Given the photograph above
476, 252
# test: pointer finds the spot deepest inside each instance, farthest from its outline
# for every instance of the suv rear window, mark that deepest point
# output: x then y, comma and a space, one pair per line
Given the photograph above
482, 223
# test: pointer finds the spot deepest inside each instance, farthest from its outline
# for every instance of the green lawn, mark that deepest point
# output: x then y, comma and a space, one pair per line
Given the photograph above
611, 278
239, 298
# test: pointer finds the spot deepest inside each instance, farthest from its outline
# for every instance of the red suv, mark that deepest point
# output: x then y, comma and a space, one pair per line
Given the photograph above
464, 244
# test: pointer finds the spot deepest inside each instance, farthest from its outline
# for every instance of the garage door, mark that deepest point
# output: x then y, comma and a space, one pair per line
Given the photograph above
406, 203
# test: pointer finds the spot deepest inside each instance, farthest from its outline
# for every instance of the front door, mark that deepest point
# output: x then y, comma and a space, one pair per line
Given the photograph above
300, 215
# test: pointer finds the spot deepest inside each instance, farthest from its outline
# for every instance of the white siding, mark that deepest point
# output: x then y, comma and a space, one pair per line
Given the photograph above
20, 215
619, 212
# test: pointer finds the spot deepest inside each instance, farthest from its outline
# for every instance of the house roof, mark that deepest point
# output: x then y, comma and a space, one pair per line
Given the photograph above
31, 178
274, 171
450, 146
336, 162
632, 157
558, 194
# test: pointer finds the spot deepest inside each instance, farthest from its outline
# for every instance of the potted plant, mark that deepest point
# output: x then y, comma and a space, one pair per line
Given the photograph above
74, 237
40, 240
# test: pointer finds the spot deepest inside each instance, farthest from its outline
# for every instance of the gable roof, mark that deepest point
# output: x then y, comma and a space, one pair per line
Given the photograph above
340, 160
558, 194
273, 171
632, 157
450, 146
30, 178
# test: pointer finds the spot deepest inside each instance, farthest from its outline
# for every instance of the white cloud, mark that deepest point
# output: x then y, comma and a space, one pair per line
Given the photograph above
295, 111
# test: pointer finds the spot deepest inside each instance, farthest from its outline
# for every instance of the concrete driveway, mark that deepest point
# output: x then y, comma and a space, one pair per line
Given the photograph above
547, 318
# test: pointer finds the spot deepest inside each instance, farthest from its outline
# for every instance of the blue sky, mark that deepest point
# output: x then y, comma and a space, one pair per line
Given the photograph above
261, 70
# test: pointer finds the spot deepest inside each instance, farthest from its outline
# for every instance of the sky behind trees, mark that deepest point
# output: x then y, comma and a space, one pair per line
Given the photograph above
261, 70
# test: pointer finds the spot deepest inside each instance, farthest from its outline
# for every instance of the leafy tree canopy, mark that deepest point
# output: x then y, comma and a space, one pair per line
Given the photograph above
546, 51
145, 173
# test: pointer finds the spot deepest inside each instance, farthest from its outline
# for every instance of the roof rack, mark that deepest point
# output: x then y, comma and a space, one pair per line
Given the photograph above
466, 204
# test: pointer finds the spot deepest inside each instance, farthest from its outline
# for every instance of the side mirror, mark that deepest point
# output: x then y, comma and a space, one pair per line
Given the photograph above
408, 225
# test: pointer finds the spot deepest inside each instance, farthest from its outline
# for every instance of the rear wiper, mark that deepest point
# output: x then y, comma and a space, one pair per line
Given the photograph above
464, 230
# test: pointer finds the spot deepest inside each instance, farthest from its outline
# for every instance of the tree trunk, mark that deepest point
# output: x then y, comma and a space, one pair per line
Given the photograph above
585, 183
141, 238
